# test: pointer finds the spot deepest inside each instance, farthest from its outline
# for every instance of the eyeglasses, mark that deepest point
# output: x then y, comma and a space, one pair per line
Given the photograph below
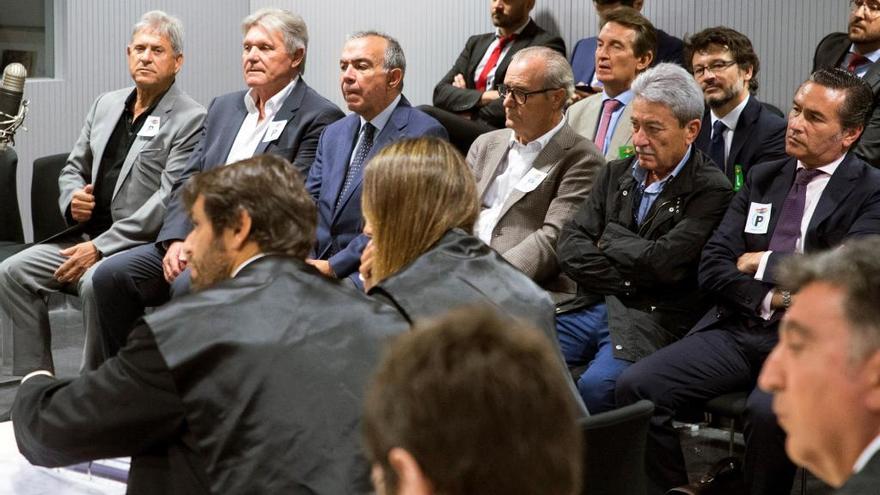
714, 68
872, 6
519, 96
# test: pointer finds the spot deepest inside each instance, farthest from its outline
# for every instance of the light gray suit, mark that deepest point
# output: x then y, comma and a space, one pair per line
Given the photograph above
530, 222
584, 115
137, 208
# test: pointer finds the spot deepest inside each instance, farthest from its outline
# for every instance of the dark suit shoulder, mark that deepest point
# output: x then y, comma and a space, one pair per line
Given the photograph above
830, 49
314, 99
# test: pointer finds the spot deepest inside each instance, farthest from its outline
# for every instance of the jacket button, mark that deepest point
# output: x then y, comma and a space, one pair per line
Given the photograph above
626, 283
717, 316
618, 347
625, 193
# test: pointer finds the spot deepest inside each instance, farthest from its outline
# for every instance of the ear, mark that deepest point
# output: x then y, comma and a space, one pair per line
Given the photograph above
297, 58
411, 479
638, 4
644, 61
850, 136
240, 234
395, 78
748, 74
692, 129
178, 62
871, 373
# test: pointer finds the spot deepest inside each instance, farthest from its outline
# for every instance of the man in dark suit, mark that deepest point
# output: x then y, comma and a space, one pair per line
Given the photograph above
738, 130
246, 386
816, 199
466, 100
824, 371
583, 56
858, 51
373, 67
279, 114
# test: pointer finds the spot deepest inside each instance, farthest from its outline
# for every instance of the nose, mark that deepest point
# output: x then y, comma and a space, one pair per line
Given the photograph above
639, 138
348, 74
188, 246
772, 378
795, 122
251, 54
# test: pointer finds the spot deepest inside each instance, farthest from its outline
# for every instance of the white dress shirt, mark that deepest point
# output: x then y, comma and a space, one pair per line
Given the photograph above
490, 78
867, 454
814, 193
730, 120
252, 129
512, 169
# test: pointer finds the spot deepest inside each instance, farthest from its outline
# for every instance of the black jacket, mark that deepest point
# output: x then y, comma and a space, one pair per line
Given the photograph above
647, 275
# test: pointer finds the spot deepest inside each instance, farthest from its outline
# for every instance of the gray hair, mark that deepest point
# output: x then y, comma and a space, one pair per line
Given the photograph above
672, 86
164, 25
854, 268
292, 27
557, 71
394, 58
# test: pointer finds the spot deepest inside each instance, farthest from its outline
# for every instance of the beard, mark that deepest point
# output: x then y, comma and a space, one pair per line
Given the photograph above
863, 32
210, 267
727, 95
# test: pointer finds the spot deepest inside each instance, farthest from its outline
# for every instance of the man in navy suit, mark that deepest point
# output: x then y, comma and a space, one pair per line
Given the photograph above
738, 130
583, 56
815, 199
279, 114
373, 66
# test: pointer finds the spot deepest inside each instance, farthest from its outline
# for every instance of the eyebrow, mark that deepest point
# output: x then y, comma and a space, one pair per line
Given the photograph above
789, 326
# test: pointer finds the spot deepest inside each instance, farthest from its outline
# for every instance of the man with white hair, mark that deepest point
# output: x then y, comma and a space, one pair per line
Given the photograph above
278, 114
113, 190
634, 245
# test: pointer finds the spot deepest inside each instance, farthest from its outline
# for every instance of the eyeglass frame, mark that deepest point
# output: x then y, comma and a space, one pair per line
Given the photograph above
504, 90
873, 8
700, 72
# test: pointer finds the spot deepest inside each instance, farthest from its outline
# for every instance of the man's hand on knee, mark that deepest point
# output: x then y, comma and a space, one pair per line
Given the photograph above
80, 257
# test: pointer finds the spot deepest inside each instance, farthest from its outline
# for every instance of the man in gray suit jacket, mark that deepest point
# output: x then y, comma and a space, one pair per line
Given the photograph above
531, 180
823, 372
132, 147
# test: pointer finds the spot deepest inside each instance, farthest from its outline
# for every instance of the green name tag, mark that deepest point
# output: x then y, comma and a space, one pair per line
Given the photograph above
626, 151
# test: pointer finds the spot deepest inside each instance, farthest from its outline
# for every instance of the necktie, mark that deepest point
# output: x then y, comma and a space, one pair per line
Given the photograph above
493, 60
788, 228
716, 147
608, 108
856, 60
354, 168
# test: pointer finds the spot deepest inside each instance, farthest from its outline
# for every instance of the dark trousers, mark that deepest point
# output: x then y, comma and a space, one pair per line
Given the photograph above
697, 368
125, 285
462, 131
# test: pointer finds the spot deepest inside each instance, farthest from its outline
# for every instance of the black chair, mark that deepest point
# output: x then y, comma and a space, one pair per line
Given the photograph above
614, 450
11, 236
47, 218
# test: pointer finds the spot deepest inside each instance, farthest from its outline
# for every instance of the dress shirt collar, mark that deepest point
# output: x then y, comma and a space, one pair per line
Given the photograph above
384, 116
640, 174
872, 56
537, 143
274, 104
828, 169
867, 454
247, 262
517, 31
732, 117
624, 98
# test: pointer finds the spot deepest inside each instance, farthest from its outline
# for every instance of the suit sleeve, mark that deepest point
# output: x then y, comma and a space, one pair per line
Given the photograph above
143, 225
536, 254
308, 145
78, 170
447, 96
313, 180
127, 406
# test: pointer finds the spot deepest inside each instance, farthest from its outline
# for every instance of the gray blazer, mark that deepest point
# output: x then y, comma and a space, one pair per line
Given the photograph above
530, 222
584, 115
148, 172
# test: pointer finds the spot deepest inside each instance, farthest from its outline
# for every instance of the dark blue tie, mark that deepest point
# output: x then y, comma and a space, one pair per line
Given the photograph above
716, 147
354, 168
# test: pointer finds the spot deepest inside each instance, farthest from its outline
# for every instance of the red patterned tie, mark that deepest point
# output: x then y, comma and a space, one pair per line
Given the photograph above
493, 60
608, 108
856, 61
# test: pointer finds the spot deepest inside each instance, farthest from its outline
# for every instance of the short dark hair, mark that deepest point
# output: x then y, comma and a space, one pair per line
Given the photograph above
283, 214
738, 44
859, 101
646, 34
624, 3
480, 403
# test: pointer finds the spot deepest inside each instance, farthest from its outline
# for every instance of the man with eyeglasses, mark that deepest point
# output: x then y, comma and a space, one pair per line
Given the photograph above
738, 131
532, 176
625, 48
634, 245
858, 51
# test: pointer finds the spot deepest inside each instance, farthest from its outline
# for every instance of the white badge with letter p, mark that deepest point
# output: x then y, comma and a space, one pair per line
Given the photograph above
759, 218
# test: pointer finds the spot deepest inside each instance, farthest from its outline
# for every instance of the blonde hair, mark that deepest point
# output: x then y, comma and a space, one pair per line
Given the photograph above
414, 191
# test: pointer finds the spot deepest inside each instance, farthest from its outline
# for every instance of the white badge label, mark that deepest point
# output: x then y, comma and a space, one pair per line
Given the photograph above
150, 127
274, 130
531, 180
758, 219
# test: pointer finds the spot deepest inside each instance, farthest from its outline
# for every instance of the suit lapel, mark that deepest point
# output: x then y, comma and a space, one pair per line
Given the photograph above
839, 186
480, 48
496, 151
340, 159
228, 133
744, 129
102, 129
622, 135
286, 112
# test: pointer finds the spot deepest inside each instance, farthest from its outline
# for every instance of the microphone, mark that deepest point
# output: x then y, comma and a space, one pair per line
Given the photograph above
13, 107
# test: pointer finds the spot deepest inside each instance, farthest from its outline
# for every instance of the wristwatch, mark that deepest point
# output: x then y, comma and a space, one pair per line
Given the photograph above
786, 299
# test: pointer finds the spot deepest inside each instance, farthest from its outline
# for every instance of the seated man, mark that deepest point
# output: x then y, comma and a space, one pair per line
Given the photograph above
466, 100
372, 70
531, 177
634, 245
817, 198
279, 113
583, 56
626, 48
858, 51
432, 427
249, 385
823, 371
738, 130
113, 191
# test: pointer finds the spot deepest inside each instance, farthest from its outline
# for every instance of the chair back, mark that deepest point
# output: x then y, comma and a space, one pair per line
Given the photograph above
47, 218
614, 450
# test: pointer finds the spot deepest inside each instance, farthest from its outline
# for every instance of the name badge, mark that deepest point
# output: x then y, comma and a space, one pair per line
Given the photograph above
758, 219
531, 180
150, 127
274, 130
